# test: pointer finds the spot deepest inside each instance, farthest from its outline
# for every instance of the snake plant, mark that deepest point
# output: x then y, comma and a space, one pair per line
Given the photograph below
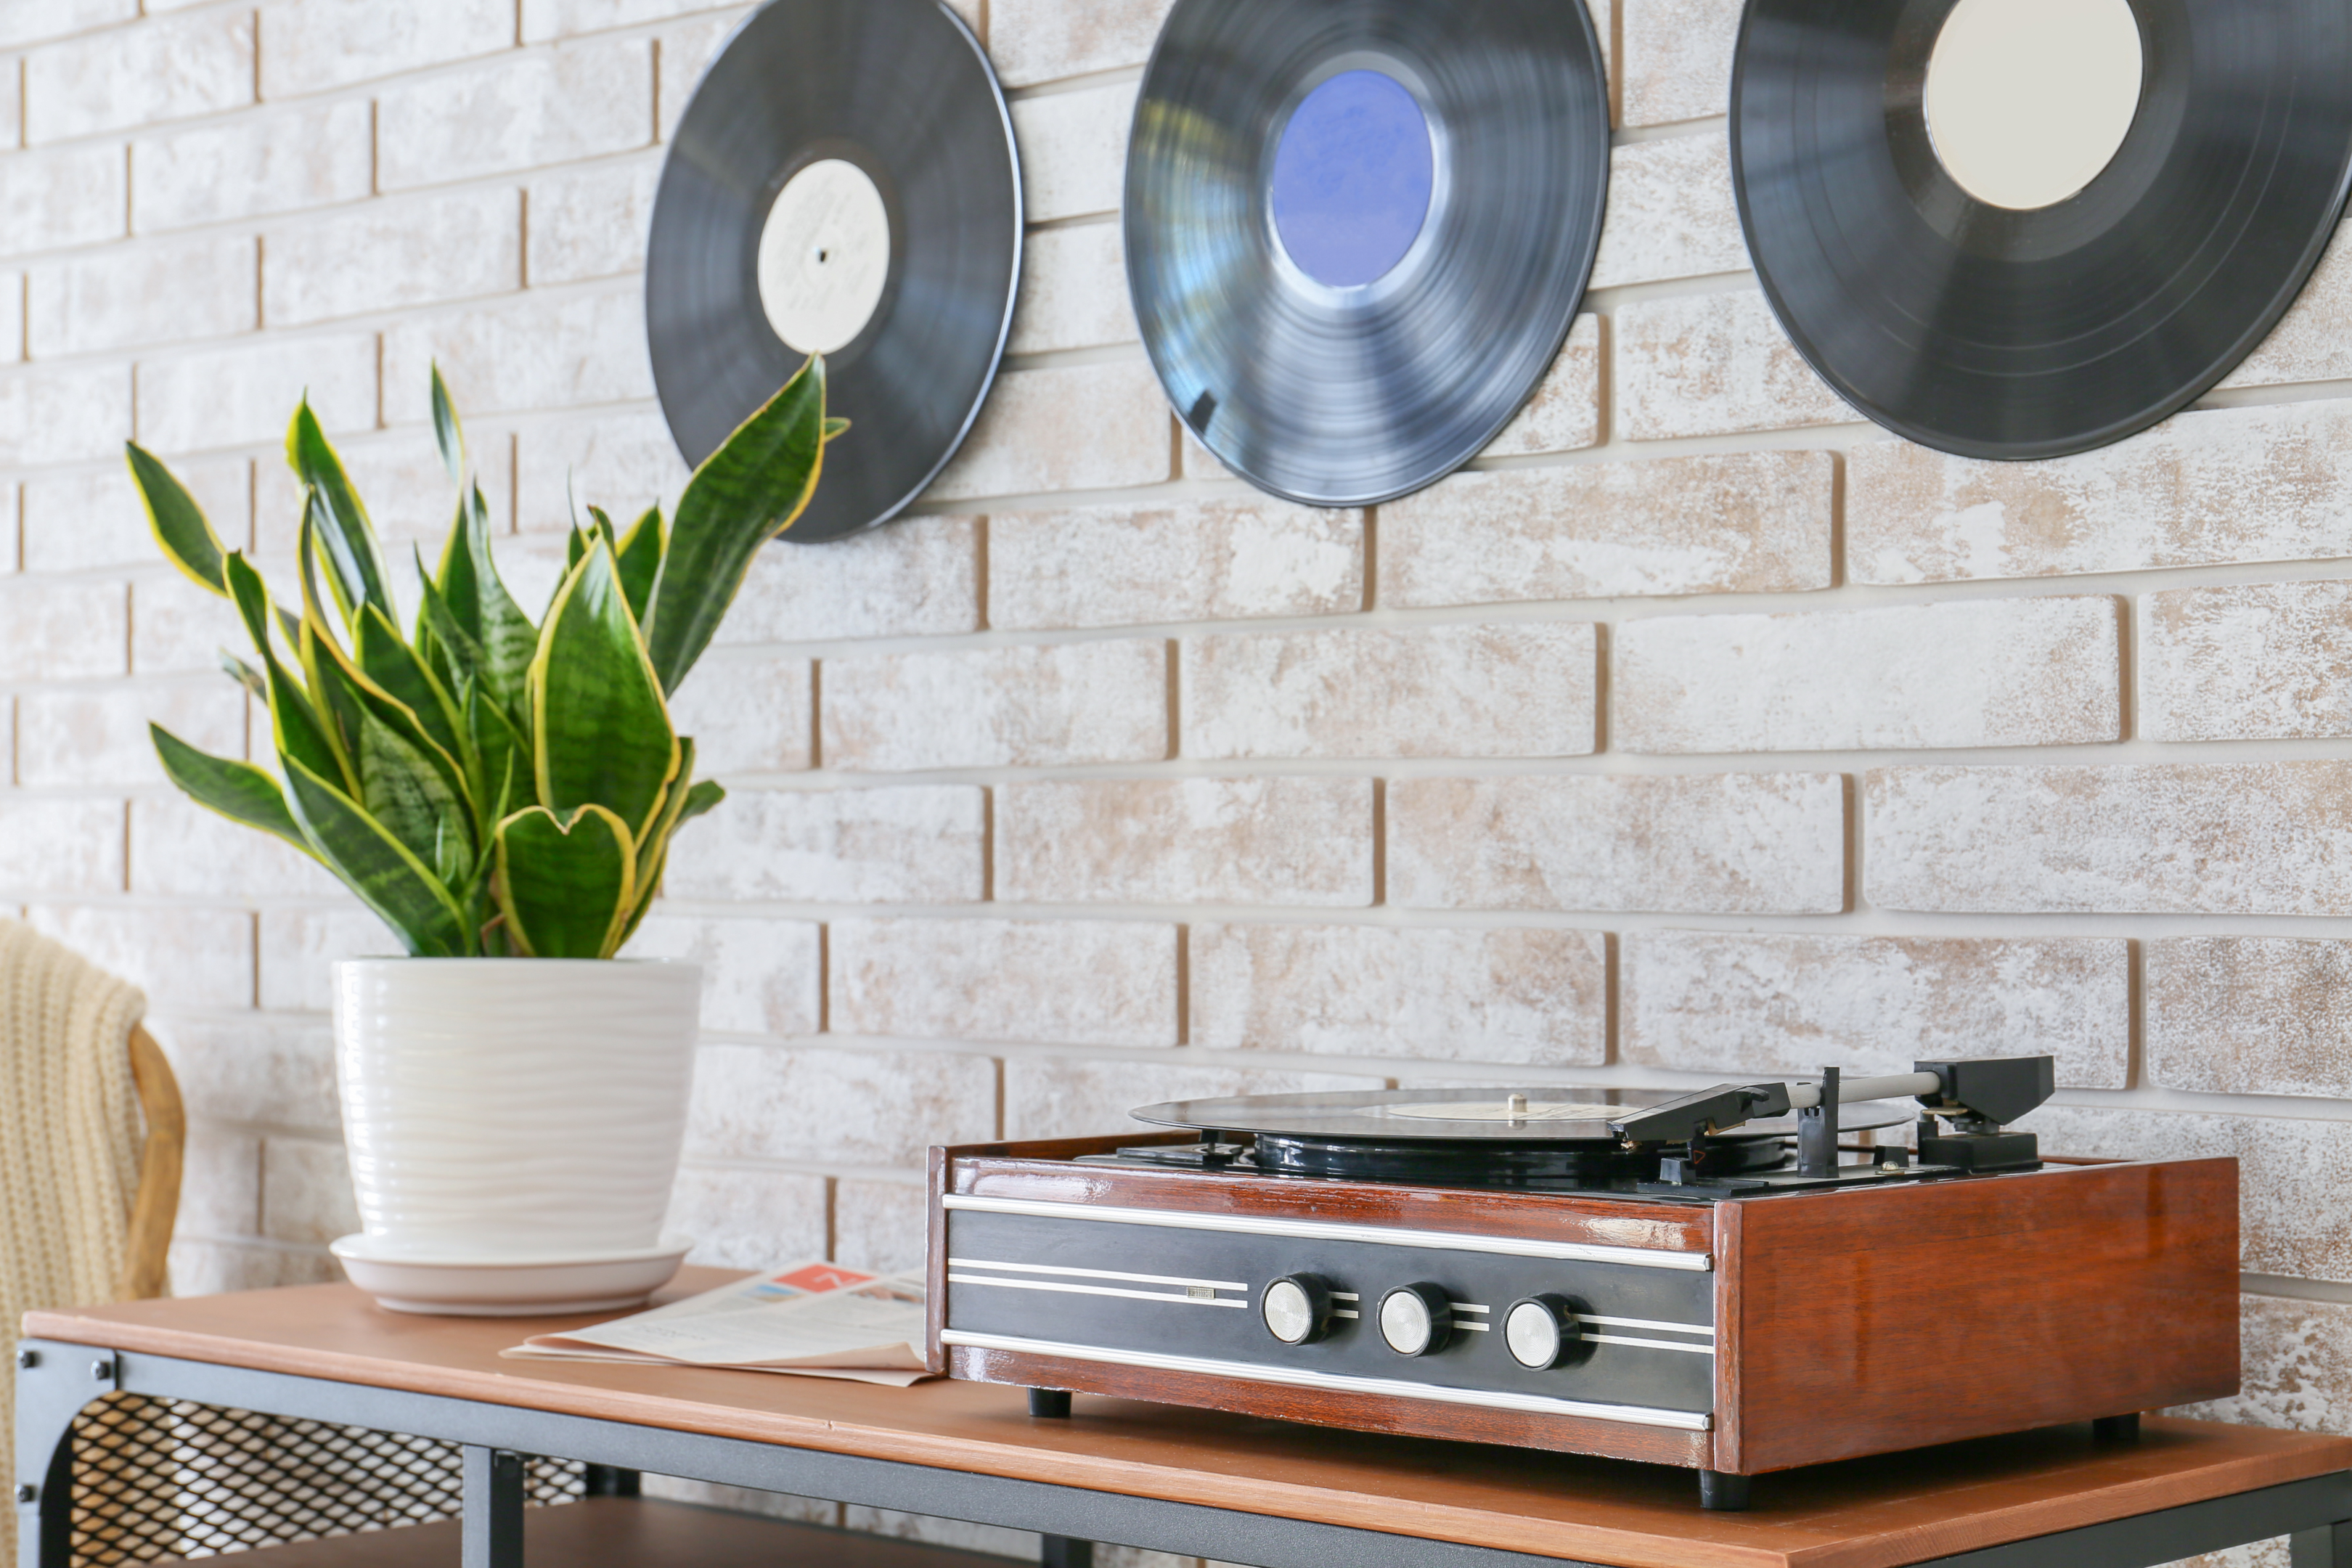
490, 787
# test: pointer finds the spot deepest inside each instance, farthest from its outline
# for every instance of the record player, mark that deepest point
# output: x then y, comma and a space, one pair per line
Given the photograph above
1734, 1282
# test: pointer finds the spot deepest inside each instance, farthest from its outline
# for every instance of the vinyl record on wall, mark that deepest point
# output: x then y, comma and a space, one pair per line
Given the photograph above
2023, 229
1358, 231
844, 183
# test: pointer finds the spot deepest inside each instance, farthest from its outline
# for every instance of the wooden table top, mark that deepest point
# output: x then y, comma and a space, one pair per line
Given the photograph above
1863, 1513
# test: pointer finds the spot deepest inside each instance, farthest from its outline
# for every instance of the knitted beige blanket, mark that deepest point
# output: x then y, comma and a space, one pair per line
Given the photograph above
70, 1140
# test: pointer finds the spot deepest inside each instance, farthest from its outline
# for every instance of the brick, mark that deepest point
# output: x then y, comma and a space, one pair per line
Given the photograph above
250, 1071
1715, 364
306, 1192
212, 1268
748, 1218
34, 21
1671, 214
12, 107
2015, 672
390, 255
621, 462
919, 576
180, 849
256, 165
1305, 841
1033, 41
759, 976
159, 70
543, 20
180, 957
544, 107
1186, 561
65, 631
2250, 661
1733, 844
406, 492
1008, 707
75, 195
591, 223
64, 416
1677, 62
99, 737
2231, 484
324, 44
748, 714
153, 295
685, 53
1073, 151
2283, 1163
76, 522
300, 947
530, 355
2310, 341
60, 847
1053, 1097
2250, 1014
921, 843
1104, 983
1521, 689
2227, 838
856, 1107
879, 1226
1534, 997
12, 312
1563, 413
246, 395
1721, 1002
1072, 292
178, 628
1734, 522
2295, 1371
220, 1184
1078, 427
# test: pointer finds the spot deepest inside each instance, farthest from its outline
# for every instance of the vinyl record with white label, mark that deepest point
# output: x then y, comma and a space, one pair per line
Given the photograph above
2025, 229
1358, 231
844, 183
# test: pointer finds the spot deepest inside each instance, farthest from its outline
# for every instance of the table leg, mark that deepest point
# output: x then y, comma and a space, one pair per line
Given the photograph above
53, 1383
492, 1525
2328, 1546
1061, 1552
606, 1480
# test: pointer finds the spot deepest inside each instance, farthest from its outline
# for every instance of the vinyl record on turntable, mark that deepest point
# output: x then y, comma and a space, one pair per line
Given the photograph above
1358, 231
2026, 228
844, 183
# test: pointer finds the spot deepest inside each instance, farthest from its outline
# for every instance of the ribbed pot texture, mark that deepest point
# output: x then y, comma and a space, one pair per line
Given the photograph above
509, 1109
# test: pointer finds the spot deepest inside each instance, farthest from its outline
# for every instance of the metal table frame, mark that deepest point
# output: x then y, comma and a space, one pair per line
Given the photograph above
55, 1381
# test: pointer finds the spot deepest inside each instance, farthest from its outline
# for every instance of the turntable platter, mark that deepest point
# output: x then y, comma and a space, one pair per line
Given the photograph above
1548, 1114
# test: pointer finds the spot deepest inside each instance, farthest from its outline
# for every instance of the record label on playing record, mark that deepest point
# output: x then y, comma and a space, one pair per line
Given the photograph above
824, 256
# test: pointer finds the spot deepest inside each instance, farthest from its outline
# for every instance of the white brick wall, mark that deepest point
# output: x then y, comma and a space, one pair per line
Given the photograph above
1701, 728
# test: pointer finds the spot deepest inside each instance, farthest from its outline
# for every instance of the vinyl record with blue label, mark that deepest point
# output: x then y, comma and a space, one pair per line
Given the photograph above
2025, 229
844, 183
1358, 231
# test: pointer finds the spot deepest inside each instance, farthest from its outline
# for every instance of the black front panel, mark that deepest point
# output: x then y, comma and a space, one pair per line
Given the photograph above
1088, 1282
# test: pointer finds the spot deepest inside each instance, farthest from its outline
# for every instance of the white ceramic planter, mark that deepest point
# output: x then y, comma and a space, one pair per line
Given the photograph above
514, 1112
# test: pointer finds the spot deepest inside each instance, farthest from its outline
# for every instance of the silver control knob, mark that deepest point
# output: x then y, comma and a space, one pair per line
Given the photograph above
1417, 1319
1297, 1309
1541, 1332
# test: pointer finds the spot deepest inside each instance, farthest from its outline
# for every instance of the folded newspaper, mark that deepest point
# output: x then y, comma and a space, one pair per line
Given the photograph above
805, 1319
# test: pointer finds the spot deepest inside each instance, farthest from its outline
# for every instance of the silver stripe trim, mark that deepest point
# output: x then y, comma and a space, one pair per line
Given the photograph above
1294, 1377
1471, 1307
1705, 1329
1508, 1247
1090, 1290
1645, 1345
1475, 1327
1093, 1274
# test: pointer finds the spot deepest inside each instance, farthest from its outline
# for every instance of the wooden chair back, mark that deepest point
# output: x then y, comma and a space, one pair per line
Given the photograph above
157, 1206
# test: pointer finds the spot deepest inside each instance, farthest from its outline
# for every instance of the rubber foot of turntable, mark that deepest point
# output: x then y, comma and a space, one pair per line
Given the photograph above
2116, 1428
1722, 1492
1051, 1402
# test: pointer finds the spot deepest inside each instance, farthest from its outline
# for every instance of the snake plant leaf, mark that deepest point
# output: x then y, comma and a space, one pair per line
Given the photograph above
639, 554
600, 730
461, 651
485, 609
245, 675
702, 797
504, 756
566, 884
411, 799
653, 853
238, 790
381, 654
448, 433
298, 732
188, 541
745, 493
356, 567
378, 867
834, 428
